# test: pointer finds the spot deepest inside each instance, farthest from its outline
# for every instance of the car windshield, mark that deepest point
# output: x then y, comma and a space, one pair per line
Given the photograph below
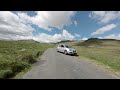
67, 46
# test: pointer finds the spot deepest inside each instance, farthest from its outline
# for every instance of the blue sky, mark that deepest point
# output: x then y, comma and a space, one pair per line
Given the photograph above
84, 26
54, 26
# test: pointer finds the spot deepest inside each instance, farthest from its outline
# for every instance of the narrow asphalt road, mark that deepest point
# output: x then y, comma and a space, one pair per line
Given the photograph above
54, 65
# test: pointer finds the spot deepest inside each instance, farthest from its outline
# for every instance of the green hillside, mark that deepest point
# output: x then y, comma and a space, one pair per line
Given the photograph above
99, 42
106, 51
15, 56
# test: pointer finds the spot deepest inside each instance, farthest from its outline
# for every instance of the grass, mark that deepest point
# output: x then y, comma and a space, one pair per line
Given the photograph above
107, 53
108, 56
16, 56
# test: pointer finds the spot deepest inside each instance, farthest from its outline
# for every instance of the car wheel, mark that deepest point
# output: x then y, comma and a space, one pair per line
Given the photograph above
65, 52
57, 50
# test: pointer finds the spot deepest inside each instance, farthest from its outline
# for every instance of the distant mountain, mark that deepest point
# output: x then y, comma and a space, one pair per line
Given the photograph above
98, 42
29, 40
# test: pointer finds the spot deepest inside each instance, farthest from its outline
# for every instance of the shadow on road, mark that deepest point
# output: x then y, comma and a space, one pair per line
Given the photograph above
73, 55
40, 62
70, 54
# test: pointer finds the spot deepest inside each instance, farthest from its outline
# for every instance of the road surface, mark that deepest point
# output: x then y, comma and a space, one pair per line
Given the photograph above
54, 65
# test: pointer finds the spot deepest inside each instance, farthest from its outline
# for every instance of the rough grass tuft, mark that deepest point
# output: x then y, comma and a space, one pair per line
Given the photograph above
15, 56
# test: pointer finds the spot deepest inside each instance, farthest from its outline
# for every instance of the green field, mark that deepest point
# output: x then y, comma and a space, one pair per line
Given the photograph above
16, 56
106, 52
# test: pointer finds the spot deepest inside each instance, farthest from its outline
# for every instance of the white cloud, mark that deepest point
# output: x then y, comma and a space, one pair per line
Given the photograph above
67, 35
75, 22
104, 16
42, 37
48, 19
77, 35
84, 38
18, 27
100, 37
112, 36
104, 29
11, 27
14, 37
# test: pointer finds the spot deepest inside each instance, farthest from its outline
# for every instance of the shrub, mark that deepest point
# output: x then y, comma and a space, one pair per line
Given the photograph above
38, 54
4, 74
4, 64
29, 59
19, 66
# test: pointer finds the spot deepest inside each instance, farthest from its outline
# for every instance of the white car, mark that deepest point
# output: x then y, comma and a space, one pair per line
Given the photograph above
66, 49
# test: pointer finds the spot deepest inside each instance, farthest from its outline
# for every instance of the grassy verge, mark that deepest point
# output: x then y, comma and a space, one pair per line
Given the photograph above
17, 56
104, 51
20, 74
108, 55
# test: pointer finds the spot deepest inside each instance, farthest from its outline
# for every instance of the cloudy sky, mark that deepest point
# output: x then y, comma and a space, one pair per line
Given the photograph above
54, 26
